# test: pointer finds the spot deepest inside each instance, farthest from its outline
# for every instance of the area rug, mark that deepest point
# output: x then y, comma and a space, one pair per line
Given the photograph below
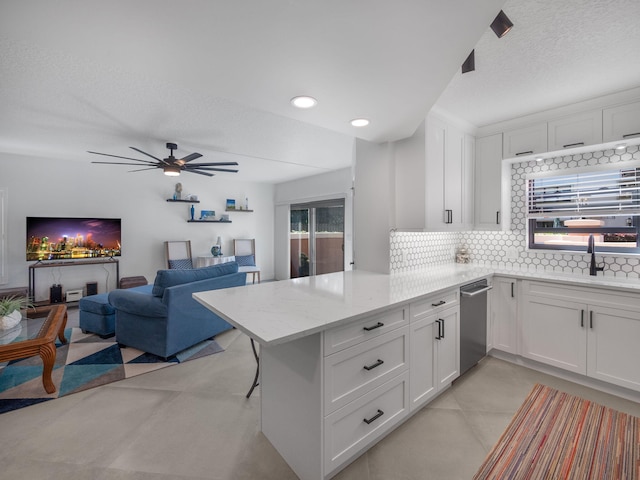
86, 361
555, 435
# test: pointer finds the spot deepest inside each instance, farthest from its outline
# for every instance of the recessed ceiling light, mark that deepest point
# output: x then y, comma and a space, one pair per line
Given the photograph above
621, 147
359, 122
304, 102
539, 159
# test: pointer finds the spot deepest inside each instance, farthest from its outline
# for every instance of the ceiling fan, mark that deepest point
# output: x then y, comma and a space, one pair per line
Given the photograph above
171, 165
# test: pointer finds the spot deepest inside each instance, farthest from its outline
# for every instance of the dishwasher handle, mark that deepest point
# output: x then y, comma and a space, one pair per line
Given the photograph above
476, 292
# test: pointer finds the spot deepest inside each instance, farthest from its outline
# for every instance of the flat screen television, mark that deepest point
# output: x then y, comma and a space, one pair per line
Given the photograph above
61, 238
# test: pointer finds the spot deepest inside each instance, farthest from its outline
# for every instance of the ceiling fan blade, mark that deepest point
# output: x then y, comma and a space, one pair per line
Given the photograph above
141, 169
214, 164
148, 155
118, 156
199, 172
188, 158
126, 163
208, 169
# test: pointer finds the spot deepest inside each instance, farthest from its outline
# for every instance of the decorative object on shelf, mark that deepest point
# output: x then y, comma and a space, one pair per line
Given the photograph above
246, 203
224, 217
172, 166
463, 256
193, 211
10, 315
216, 250
207, 214
231, 204
177, 195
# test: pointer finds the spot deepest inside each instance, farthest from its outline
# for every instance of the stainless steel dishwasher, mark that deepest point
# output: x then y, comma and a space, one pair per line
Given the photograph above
473, 323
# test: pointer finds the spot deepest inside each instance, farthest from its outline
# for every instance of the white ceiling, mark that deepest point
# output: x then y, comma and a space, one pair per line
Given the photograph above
557, 53
216, 76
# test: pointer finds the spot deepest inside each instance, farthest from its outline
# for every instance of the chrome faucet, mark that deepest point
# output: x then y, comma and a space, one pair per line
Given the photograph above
591, 248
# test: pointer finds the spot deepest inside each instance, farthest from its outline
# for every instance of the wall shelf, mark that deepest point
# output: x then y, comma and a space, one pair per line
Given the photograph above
182, 201
209, 221
237, 210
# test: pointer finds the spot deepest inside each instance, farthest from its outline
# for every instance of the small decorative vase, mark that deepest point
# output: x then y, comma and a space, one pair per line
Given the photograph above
215, 251
11, 320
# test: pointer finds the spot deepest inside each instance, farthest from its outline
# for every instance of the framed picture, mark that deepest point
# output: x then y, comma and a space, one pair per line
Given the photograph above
207, 214
231, 204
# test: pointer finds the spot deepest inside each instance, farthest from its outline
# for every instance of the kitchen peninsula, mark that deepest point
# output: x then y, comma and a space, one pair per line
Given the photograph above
347, 357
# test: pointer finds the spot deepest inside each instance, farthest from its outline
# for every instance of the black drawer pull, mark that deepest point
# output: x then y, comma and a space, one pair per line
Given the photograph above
498, 217
378, 325
582, 318
371, 367
591, 319
630, 135
572, 144
439, 330
524, 153
442, 322
374, 418
441, 302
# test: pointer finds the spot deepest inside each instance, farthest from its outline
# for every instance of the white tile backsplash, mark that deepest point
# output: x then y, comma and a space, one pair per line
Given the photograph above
415, 250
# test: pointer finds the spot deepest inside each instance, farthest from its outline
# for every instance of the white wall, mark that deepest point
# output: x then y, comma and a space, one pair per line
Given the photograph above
374, 205
334, 184
46, 187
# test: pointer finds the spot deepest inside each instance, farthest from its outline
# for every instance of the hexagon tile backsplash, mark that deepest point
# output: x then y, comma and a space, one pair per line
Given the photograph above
416, 250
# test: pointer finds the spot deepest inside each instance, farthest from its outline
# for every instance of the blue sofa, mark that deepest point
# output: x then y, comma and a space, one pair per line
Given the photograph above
164, 319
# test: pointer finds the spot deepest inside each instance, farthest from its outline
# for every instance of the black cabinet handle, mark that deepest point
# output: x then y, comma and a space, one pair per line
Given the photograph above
591, 319
439, 329
524, 153
498, 217
374, 418
630, 135
512, 295
448, 216
572, 145
378, 325
441, 302
582, 318
371, 367
442, 322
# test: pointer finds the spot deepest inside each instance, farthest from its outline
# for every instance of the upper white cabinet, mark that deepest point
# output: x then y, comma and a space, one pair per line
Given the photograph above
622, 122
488, 169
525, 141
449, 176
575, 130
434, 178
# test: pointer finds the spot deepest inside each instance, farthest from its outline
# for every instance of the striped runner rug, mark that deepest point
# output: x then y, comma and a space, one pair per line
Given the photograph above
555, 435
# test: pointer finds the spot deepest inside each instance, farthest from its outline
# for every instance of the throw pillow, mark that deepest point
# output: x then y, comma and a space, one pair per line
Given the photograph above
246, 260
180, 264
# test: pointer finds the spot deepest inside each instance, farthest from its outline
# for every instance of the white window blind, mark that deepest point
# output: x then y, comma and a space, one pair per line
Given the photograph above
595, 193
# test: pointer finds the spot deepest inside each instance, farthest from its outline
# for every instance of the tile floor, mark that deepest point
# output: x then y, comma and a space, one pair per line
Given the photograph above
192, 421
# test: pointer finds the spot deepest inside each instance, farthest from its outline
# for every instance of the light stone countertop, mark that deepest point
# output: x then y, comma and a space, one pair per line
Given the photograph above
278, 312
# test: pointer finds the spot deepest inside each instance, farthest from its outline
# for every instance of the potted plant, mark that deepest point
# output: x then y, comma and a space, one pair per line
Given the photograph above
10, 308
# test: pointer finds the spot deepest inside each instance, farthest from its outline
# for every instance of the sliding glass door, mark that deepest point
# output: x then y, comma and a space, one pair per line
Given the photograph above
317, 238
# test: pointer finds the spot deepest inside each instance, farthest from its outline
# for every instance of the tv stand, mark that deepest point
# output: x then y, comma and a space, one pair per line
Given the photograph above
45, 306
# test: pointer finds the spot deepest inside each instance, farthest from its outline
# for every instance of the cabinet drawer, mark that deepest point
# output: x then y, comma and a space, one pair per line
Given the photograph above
354, 371
353, 333
434, 304
346, 433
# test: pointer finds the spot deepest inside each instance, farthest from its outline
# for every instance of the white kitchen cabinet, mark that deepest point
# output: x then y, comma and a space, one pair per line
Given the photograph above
612, 346
582, 330
574, 131
435, 346
504, 315
554, 333
488, 187
525, 141
621, 122
449, 176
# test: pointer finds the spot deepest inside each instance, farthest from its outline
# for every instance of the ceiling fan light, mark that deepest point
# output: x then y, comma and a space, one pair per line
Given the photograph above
171, 171
304, 101
501, 24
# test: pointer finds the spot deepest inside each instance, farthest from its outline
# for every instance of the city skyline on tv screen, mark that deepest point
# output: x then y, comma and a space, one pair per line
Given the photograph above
54, 238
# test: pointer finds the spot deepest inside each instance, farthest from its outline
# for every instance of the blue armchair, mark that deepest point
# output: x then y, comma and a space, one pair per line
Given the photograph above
166, 319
